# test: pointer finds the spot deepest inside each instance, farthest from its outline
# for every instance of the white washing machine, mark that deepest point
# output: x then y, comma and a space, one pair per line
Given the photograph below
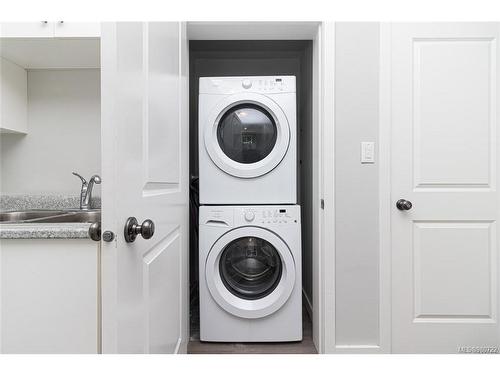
247, 140
250, 273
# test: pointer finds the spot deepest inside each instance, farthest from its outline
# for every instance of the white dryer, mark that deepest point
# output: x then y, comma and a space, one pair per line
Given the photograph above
247, 140
250, 273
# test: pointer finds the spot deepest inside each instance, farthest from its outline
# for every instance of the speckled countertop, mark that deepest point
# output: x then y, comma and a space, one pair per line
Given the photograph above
43, 230
17, 202
38, 230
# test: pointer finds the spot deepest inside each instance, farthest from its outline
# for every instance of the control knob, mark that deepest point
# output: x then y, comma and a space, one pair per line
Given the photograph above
249, 215
246, 83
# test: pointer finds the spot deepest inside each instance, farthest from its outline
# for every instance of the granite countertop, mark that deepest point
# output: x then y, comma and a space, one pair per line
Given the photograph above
17, 202
47, 231
43, 230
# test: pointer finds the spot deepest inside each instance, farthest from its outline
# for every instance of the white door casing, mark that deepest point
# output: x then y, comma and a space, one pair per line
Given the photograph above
145, 174
445, 160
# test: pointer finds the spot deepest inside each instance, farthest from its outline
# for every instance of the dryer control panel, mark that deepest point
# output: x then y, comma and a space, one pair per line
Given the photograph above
269, 85
260, 84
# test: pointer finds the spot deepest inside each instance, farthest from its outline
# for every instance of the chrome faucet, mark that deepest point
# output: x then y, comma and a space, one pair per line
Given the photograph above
86, 193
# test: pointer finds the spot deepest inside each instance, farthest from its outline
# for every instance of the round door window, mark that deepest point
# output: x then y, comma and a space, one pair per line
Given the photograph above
250, 267
247, 133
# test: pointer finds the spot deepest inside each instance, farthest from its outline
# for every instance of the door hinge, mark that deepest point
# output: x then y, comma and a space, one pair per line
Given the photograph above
322, 204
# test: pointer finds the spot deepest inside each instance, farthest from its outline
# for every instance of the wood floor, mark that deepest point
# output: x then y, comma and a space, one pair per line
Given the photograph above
306, 346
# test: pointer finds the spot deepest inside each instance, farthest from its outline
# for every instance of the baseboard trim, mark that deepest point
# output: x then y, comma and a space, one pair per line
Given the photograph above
358, 349
181, 347
308, 304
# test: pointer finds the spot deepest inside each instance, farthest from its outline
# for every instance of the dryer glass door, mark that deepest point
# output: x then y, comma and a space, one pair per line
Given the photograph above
250, 267
247, 133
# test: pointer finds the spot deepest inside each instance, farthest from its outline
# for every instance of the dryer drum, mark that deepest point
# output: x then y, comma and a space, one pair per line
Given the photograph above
250, 267
247, 133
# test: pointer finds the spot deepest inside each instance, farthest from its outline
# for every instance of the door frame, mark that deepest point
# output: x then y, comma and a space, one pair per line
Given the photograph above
385, 180
322, 306
324, 188
385, 206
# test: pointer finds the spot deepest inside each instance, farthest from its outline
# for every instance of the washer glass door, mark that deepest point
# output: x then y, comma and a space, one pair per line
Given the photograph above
250, 267
250, 272
246, 133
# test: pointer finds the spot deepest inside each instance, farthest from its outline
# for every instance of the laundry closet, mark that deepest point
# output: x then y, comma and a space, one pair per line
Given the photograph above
270, 80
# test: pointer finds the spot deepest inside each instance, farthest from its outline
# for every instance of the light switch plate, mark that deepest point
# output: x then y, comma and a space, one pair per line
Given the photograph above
367, 152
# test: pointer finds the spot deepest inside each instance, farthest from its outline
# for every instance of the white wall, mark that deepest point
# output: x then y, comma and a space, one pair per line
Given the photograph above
356, 185
63, 135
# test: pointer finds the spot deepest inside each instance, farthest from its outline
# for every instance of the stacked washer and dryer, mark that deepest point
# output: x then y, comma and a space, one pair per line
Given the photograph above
249, 220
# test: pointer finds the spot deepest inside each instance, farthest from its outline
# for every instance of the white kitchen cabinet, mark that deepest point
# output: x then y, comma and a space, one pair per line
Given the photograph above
41, 29
63, 29
13, 98
45, 29
49, 296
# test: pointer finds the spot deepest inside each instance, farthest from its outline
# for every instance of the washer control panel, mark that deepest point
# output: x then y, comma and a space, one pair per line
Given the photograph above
236, 216
259, 84
269, 215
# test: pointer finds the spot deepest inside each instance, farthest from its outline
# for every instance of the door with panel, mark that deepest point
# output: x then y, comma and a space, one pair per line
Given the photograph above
445, 170
145, 176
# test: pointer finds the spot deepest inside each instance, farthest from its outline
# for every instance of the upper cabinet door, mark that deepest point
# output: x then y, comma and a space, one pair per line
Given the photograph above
42, 29
45, 29
13, 98
145, 175
65, 29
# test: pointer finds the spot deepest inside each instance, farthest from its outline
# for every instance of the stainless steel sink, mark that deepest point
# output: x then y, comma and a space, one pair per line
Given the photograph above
50, 216
27, 215
72, 217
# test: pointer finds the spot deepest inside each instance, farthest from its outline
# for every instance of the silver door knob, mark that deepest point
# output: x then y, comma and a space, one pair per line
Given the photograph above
95, 231
403, 205
133, 228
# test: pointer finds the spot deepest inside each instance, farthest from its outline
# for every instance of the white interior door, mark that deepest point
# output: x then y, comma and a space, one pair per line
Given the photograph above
445, 160
145, 175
